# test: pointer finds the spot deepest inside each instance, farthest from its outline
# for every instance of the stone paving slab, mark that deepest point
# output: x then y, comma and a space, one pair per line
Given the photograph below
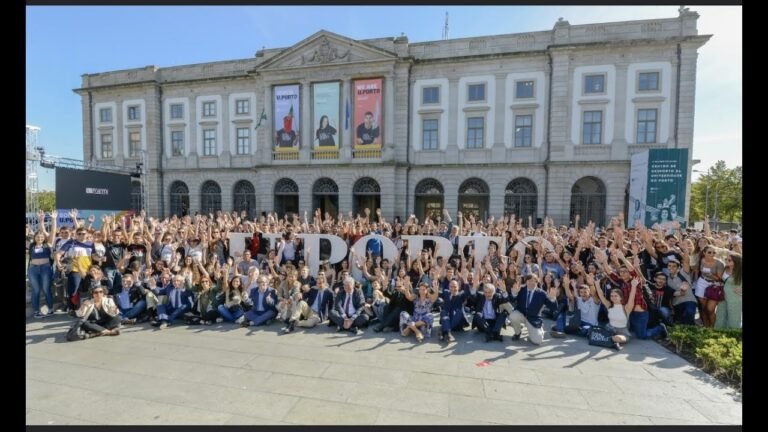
227, 375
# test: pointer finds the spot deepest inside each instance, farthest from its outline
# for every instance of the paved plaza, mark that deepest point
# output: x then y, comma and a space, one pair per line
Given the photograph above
227, 375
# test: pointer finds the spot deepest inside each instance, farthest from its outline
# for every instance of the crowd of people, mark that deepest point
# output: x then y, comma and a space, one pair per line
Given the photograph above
623, 280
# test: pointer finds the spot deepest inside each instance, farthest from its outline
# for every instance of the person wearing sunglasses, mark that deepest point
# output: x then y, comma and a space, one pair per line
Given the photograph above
100, 314
709, 271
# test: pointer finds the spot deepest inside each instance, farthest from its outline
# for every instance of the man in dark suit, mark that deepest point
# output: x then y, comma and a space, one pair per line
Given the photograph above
316, 303
349, 308
488, 317
397, 303
452, 317
180, 301
264, 300
528, 301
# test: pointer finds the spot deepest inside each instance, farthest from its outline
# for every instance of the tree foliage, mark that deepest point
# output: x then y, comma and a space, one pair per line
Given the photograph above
46, 200
725, 194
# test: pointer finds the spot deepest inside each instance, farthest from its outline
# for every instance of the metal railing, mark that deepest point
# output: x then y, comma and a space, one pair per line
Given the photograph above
366, 154
325, 154
280, 155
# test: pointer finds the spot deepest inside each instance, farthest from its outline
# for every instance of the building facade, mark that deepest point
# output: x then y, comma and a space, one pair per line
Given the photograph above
536, 124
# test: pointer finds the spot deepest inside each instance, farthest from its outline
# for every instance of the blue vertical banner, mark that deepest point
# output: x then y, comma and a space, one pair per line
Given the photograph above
658, 187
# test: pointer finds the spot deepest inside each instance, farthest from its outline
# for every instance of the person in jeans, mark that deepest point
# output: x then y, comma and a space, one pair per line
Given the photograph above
684, 303
130, 300
40, 271
264, 308
638, 319
180, 301
587, 302
231, 308
618, 311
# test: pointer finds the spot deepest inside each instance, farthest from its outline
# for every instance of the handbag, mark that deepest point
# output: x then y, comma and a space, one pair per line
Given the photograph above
715, 292
76, 332
600, 336
573, 325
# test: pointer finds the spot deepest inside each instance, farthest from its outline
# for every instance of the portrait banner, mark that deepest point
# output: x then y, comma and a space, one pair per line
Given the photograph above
368, 114
287, 106
326, 98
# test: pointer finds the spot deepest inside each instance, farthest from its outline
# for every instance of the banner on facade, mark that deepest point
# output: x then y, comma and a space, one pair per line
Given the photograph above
658, 186
287, 106
326, 107
368, 114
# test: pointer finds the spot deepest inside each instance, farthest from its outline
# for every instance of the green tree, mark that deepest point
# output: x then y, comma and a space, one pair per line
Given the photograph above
46, 200
718, 193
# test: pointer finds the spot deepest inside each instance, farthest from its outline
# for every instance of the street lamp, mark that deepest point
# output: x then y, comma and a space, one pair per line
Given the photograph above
706, 200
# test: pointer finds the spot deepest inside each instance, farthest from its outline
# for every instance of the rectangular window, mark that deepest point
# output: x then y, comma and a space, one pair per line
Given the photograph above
242, 106
134, 144
476, 93
646, 126
134, 113
594, 84
475, 127
105, 115
593, 126
177, 143
177, 111
243, 141
648, 81
523, 130
209, 109
524, 89
429, 134
209, 142
430, 95
106, 146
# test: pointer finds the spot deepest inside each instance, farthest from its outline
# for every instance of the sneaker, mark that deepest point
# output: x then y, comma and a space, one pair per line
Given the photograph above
38, 315
291, 326
219, 320
240, 320
378, 328
616, 346
50, 312
516, 337
450, 337
163, 326
556, 334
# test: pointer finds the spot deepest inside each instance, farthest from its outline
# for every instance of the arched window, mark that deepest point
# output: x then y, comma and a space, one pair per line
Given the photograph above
366, 194
244, 198
179, 199
286, 197
588, 200
136, 198
210, 198
520, 199
325, 196
429, 194
473, 199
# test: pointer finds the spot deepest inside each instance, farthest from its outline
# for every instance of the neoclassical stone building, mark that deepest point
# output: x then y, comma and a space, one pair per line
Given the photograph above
540, 123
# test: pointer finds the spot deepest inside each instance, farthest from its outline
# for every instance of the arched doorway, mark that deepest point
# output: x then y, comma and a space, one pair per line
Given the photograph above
286, 197
521, 199
325, 196
366, 194
473, 199
244, 198
210, 198
588, 200
179, 199
429, 195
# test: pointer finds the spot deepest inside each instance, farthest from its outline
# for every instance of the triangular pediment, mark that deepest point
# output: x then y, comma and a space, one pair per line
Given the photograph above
325, 48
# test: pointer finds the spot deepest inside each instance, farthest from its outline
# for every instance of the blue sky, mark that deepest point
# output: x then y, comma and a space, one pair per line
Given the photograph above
65, 42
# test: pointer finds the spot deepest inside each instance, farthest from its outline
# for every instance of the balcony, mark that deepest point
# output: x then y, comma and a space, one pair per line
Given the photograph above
325, 154
374, 153
285, 155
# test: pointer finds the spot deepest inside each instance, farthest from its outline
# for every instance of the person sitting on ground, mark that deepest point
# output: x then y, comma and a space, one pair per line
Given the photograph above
316, 303
420, 322
618, 311
100, 314
489, 316
264, 308
130, 300
348, 309
180, 301
452, 315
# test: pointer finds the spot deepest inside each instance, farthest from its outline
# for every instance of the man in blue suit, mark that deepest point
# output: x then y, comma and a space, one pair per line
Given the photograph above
264, 300
452, 317
528, 301
348, 311
316, 303
488, 317
180, 301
